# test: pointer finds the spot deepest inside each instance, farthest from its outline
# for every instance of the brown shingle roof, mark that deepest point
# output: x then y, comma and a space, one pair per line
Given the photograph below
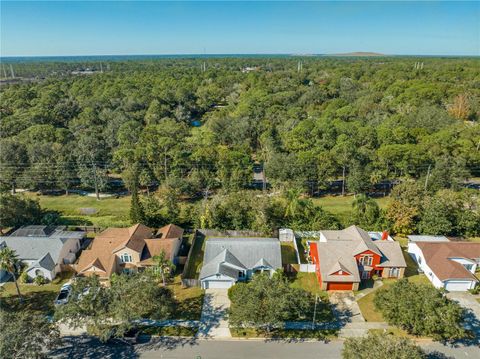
155, 246
110, 241
438, 257
170, 231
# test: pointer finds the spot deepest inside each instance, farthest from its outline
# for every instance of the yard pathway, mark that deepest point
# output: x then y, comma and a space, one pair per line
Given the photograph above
377, 284
214, 320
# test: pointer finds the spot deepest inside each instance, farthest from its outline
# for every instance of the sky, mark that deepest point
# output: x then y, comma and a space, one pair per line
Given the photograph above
58, 28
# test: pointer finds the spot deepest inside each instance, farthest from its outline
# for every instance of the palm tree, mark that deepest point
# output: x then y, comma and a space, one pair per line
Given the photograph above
360, 203
8, 263
293, 202
163, 265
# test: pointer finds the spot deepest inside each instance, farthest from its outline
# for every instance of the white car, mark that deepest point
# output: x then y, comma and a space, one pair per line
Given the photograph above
64, 294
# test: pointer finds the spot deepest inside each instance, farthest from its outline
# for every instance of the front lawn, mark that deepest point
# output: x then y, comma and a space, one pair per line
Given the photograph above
288, 253
38, 298
308, 282
189, 300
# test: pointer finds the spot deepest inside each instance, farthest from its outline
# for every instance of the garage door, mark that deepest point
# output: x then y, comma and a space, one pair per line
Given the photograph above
217, 284
456, 286
339, 286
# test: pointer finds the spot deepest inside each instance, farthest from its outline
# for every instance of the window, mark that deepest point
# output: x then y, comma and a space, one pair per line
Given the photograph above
366, 260
126, 258
39, 273
468, 267
394, 272
241, 274
365, 275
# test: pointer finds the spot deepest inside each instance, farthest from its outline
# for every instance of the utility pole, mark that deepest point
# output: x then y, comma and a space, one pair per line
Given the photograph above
428, 175
264, 178
101, 68
11, 71
314, 311
94, 166
343, 181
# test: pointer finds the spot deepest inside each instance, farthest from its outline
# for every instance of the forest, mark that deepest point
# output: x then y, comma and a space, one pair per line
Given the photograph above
183, 136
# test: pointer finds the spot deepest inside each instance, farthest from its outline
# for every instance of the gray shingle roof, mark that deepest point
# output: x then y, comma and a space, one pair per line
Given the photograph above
36, 247
392, 255
45, 262
423, 238
223, 254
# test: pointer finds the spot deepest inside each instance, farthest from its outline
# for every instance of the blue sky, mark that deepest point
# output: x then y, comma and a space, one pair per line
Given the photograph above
116, 28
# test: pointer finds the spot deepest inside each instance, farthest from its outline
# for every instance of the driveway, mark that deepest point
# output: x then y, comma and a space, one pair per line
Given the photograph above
468, 301
214, 321
345, 307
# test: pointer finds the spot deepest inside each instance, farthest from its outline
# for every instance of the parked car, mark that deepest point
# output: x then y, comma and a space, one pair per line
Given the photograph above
130, 337
64, 294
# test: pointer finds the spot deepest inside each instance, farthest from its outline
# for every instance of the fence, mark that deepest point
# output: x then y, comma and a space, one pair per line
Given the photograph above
190, 282
307, 268
229, 233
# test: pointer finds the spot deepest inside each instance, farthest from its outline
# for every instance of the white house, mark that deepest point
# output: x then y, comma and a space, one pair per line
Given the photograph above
43, 249
228, 260
449, 265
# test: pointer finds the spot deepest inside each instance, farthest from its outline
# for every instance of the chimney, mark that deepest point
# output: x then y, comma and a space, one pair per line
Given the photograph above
384, 235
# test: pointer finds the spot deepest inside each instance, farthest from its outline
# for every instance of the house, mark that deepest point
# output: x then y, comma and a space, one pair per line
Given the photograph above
449, 265
414, 239
228, 260
44, 249
345, 257
129, 249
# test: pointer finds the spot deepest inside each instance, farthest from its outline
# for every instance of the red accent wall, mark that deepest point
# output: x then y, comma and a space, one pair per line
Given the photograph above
316, 261
375, 261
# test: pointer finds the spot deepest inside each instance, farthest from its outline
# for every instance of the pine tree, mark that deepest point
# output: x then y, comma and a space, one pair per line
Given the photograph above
136, 210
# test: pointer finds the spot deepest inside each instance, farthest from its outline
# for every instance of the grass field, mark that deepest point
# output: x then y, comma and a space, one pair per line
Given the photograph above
341, 206
308, 282
109, 211
284, 334
170, 331
189, 300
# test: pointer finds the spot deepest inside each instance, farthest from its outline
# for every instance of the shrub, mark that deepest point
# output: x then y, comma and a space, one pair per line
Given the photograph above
421, 310
40, 280
24, 277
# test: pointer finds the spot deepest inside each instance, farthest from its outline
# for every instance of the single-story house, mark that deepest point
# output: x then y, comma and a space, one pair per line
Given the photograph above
129, 249
228, 260
44, 249
414, 239
449, 265
345, 257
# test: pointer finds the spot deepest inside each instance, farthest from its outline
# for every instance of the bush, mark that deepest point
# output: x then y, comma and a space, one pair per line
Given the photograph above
40, 280
475, 290
24, 277
381, 347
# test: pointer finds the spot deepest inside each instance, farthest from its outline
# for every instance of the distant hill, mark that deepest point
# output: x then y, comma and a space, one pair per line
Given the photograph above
360, 53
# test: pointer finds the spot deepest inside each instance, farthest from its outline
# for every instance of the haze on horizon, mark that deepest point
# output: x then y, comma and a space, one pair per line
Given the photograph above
157, 28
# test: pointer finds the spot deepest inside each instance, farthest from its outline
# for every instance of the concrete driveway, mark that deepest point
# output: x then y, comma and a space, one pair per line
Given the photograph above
214, 319
469, 302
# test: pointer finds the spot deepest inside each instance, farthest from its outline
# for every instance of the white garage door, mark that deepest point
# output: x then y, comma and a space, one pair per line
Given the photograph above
457, 286
217, 284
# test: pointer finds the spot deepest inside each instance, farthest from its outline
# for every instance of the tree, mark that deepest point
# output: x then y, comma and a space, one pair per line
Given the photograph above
9, 262
16, 210
420, 310
13, 162
292, 196
163, 266
366, 212
437, 218
110, 311
25, 334
266, 303
460, 108
137, 214
381, 347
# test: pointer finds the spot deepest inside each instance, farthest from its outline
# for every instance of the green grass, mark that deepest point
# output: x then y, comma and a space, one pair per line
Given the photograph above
110, 211
301, 244
308, 282
284, 334
342, 206
398, 332
38, 298
288, 253
194, 264
170, 331
189, 301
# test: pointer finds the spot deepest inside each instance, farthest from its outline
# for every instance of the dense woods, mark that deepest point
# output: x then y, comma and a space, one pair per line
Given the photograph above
196, 128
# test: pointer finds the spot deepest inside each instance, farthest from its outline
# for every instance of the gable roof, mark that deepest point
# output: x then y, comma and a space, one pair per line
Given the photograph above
170, 231
101, 254
34, 242
155, 246
222, 254
45, 262
438, 256
424, 238
340, 248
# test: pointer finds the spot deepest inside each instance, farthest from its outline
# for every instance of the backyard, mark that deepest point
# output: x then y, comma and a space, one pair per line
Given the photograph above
288, 253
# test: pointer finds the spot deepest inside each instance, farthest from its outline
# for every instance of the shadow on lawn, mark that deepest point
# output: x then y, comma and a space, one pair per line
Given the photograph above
41, 301
189, 308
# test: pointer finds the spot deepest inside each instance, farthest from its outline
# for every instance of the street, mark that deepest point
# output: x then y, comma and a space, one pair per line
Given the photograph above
175, 348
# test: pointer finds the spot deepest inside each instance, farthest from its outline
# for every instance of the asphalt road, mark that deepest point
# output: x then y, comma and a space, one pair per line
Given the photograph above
173, 348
